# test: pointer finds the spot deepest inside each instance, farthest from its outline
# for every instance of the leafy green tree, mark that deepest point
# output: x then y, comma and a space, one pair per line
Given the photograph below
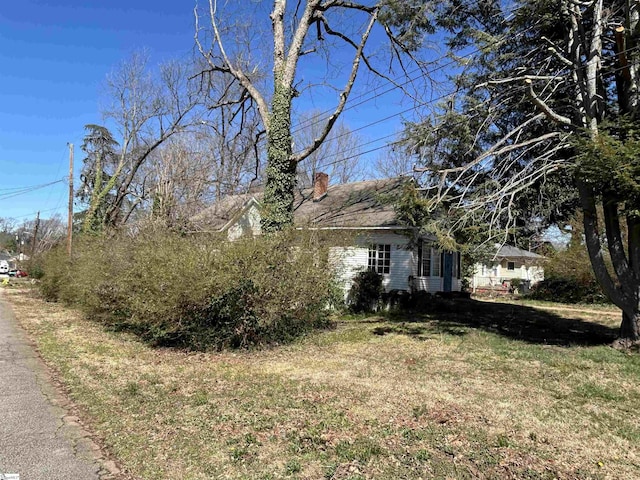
548, 103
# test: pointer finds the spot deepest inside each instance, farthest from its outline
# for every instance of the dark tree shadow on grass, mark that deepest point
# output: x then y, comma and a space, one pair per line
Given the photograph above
527, 324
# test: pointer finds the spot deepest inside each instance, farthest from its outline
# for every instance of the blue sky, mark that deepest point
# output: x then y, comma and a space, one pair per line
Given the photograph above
54, 58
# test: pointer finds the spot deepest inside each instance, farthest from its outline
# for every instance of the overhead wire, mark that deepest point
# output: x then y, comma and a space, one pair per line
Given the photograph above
324, 165
60, 163
352, 103
25, 190
35, 213
400, 81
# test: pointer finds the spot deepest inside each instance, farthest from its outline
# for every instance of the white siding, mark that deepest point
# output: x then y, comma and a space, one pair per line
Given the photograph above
401, 258
347, 262
401, 268
248, 223
485, 276
350, 260
429, 284
434, 284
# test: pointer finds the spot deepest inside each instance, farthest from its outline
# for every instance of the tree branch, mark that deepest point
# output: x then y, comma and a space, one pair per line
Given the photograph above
614, 239
344, 95
237, 72
594, 245
549, 113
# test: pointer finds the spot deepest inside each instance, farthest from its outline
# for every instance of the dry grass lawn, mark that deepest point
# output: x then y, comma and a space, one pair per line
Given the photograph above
474, 390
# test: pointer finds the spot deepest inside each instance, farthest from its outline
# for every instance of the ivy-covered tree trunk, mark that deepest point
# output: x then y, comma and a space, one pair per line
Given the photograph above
348, 24
281, 170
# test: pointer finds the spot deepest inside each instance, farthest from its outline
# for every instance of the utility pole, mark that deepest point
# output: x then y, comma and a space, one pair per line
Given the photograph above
70, 219
34, 242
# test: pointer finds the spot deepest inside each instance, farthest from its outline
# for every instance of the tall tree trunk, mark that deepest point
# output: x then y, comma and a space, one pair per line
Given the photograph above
281, 170
625, 292
630, 329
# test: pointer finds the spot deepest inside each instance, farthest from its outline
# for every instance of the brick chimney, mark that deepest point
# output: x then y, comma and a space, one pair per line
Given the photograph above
320, 186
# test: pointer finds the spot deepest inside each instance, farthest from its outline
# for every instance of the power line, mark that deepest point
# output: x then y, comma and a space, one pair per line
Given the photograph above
395, 86
435, 129
34, 213
424, 74
60, 163
25, 190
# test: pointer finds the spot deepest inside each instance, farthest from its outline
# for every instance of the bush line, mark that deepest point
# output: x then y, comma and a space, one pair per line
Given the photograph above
196, 292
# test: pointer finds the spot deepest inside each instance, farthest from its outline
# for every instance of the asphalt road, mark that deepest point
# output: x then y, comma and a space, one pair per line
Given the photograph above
38, 439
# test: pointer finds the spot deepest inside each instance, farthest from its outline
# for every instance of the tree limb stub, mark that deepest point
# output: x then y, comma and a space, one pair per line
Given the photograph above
549, 113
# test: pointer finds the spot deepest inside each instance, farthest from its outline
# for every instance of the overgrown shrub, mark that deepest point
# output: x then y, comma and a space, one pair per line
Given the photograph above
569, 274
567, 290
515, 284
55, 267
366, 292
34, 267
199, 291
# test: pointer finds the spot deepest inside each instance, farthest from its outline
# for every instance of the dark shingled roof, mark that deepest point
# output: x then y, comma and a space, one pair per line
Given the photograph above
366, 204
509, 251
215, 217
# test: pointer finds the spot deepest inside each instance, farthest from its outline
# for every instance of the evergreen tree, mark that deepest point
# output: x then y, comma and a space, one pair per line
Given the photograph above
96, 188
544, 117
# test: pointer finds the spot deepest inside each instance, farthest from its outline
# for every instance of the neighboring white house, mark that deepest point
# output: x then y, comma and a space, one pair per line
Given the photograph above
510, 262
365, 209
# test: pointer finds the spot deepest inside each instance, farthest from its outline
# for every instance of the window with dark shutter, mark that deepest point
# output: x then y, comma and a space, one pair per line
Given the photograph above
424, 260
436, 268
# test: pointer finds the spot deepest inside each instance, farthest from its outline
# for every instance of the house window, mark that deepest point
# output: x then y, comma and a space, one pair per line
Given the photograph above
511, 265
455, 273
424, 261
429, 261
379, 258
436, 263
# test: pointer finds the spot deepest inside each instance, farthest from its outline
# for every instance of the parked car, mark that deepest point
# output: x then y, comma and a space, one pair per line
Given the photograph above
4, 267
18, 273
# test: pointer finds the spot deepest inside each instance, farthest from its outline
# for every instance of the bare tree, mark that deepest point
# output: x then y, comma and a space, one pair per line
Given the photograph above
338, 156
300, 32
179, 179
7, 234
394, 162
50, 232
145, 111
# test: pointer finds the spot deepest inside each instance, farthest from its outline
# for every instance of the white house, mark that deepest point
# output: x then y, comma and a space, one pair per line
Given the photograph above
365, 210
510, 262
